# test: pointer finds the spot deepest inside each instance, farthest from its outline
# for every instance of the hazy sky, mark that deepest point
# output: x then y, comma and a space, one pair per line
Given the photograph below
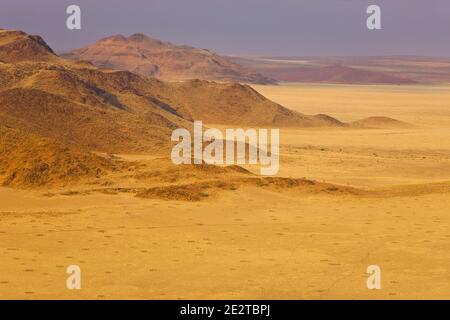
259, 27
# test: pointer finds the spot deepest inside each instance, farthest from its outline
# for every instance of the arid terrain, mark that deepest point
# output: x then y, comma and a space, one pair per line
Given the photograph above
87, 180
163, 60
398, 70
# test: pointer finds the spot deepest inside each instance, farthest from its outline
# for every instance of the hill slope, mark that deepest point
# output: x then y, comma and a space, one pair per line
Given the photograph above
150, 57
27, 160
119, 111
234, 104
82, 107
16, 46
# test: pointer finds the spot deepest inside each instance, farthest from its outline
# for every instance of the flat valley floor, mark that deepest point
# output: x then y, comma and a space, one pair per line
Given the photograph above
254, 243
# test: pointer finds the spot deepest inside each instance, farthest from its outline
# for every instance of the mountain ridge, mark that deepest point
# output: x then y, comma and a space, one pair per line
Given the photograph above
114, 111
148, 56
317, 70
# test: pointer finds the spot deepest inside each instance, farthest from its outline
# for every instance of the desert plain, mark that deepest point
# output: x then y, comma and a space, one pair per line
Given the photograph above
381, 197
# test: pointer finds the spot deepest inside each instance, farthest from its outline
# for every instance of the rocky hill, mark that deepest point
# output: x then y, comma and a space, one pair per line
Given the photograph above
81, 105
163, 60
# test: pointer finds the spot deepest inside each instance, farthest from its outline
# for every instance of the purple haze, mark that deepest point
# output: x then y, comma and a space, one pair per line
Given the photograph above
259, 27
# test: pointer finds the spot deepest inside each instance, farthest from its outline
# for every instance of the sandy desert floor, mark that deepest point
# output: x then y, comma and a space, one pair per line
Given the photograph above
254, 242
421, 105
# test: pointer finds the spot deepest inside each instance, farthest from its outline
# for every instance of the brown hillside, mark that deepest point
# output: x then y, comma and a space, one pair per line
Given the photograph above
234, 104
78, 104
151, 57
82, 106
30, 161
16, 46
102, 129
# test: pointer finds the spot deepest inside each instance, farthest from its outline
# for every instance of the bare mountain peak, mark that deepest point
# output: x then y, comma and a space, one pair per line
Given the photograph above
144, 41
148, 56
139, 40
16, 46
42, 43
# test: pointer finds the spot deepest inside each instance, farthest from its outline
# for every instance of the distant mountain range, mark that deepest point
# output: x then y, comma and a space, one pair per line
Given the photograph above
336, 74
163, 60
147, 56
351, 70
